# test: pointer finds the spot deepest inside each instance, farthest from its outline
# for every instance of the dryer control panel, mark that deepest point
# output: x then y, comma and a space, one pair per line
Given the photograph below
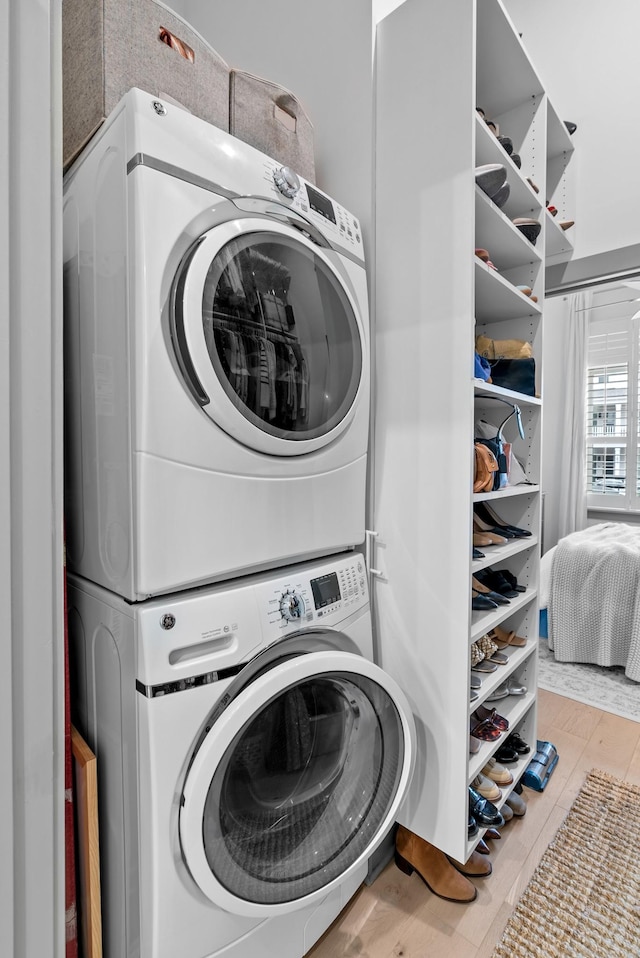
339, 226
322, 593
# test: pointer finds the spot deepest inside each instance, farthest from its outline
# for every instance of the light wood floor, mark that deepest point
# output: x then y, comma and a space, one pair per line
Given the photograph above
398, 917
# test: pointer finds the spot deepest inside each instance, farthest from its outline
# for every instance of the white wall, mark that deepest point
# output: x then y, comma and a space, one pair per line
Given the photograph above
382, 8
321, 52
554, 390
587, 57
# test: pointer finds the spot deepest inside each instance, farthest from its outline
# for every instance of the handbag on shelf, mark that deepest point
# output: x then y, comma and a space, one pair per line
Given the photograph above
497, 445
485, 468
519, 375
500, 476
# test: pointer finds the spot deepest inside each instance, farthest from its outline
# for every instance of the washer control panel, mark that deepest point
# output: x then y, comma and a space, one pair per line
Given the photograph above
321, 593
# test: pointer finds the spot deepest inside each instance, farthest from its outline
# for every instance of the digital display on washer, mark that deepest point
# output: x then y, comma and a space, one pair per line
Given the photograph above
325, 590
320, 204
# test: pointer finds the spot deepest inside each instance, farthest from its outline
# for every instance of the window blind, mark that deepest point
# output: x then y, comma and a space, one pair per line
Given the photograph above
613, 379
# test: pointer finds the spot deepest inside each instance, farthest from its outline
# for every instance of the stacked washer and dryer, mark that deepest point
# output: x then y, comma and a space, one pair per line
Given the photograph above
251, 755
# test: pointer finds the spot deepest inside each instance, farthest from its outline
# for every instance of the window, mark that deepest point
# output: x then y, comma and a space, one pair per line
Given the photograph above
613, 450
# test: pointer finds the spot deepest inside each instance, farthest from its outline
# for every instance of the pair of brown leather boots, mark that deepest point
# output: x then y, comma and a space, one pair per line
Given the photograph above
442, 875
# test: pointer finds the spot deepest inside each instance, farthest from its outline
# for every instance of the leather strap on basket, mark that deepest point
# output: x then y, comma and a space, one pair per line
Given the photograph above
171, 40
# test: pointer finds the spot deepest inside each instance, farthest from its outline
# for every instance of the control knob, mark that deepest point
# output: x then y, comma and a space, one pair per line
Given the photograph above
291, 606
287, 181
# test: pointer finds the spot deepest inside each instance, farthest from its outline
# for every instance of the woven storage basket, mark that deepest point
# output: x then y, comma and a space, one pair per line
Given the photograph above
270, 118
110, 46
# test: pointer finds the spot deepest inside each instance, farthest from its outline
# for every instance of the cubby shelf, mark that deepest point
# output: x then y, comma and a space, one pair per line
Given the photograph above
486, 391
496, 233
498, 555
430, 304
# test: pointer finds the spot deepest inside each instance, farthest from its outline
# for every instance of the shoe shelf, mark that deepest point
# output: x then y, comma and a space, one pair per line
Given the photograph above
487, 391
523, 199
558, 241
517, 770
513, 708
495, 232
498, 300
427, 297
507, 493
498, 555
483, 622
559, 187
513, 669
505, 76
560, 149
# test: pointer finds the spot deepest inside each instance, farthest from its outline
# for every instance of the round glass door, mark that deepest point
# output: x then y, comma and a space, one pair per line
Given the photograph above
298, 784
272, 336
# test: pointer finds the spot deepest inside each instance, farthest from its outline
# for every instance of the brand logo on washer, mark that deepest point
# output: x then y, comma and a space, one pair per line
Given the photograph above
159, 107
167, 621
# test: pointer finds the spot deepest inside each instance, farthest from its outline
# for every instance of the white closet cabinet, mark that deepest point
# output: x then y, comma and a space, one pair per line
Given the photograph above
432, 297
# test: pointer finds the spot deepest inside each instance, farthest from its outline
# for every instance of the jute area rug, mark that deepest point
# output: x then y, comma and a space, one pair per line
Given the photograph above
583, 900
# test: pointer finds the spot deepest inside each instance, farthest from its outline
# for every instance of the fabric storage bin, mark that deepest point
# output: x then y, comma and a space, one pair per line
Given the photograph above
110, 46
272, 120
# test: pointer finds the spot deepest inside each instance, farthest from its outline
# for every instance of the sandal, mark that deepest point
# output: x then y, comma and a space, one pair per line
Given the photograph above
477, 654
487, 646
501, 638
485, 666
499, 658
499, 721
486, 731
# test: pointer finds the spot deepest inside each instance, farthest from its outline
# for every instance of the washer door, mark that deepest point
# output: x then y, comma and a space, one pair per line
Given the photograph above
296, 782
268, 336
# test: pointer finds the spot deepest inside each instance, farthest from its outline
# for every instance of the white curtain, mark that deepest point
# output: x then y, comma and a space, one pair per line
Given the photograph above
570, 417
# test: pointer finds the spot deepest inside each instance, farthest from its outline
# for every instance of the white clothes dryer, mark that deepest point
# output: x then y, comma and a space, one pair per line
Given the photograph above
216, 358
250, 758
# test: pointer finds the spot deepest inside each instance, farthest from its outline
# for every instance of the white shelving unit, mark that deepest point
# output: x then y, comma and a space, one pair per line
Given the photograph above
432, 297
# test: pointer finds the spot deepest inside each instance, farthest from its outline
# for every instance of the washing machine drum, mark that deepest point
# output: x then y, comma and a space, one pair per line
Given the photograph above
297, 783
268, 335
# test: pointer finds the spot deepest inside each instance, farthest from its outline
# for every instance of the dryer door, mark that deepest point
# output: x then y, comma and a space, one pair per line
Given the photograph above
296, 782
268, 336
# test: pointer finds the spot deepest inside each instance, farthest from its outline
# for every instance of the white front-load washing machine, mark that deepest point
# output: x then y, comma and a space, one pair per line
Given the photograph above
250, 758
216, 358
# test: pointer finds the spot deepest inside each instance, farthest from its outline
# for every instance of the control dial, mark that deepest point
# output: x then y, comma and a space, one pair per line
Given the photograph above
287, 181
291, 606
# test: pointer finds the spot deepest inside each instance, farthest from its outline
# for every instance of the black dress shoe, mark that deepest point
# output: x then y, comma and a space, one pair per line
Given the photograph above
518, 744
484, 811
513, 582
482, 589
472, 826
497, 582
482, 603
506, 755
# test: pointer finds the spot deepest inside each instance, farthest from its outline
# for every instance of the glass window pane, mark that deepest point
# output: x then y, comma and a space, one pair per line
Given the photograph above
281, 335
607, 470
303, 789
607, 397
